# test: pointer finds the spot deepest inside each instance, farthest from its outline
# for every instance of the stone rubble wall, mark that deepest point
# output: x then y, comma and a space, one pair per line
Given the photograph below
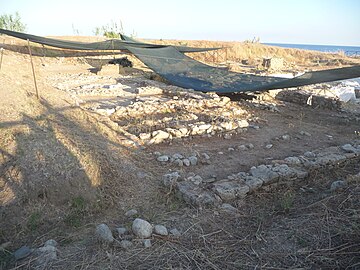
305, 98
211, 192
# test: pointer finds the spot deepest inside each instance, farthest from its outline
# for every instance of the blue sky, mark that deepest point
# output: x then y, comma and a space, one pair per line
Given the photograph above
334, 22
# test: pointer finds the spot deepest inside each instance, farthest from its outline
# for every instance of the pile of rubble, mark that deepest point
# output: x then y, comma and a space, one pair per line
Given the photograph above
181, 117
141, 232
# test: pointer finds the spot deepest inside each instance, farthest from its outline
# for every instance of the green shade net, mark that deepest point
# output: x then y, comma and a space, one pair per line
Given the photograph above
181, 70
113, 44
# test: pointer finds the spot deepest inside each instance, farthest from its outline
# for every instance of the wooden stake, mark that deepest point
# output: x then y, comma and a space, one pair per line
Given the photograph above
2, 53
43, 50
113, 49
33, 71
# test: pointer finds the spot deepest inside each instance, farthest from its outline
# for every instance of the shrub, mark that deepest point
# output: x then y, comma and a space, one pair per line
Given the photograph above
12, 22
111, 30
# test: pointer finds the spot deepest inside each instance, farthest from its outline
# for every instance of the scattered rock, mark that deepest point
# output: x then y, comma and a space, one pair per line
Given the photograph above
45, 255
175, 232
147, 243
177, 156
205, 156
186, 162
228, 208
161, 230
126, 244
338, 185
121, 231
104, 234
250, 146
193, 160
348, 148
5, 245
144, 136
142, 228
227, 136
241, 147
159, 136
196, 179
285, 137
309, 154
178, 162
209, 180
254, 126
305, 133
170, 179
293, 160
163, 158
22, 253
131, 213
51, 242
106, 111
268, 146
242, 123
230, 149
204, 126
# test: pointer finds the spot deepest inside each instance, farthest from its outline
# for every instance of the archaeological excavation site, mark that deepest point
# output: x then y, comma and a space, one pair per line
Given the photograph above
164, 154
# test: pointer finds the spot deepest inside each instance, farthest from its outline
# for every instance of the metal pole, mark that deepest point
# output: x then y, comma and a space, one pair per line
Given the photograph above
33, 71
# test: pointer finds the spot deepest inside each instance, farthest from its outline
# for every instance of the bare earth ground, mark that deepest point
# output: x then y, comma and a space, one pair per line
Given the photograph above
66, 166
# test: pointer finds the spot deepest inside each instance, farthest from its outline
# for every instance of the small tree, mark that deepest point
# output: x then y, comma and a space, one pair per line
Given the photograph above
12, 22
111, 30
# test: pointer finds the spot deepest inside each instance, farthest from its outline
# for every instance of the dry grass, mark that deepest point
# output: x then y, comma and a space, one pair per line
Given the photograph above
311, 229
253, 53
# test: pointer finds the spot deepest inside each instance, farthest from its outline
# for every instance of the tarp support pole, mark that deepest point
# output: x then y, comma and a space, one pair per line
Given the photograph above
2, 54
33, 71
43, 50
113, 49
1, 58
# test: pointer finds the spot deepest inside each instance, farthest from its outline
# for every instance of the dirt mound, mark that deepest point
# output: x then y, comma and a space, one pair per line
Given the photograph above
54, 153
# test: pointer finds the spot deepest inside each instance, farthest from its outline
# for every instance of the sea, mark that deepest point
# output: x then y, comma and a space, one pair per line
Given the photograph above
348, 50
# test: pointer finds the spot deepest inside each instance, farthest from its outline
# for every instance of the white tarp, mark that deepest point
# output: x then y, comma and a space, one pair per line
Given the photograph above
345, 91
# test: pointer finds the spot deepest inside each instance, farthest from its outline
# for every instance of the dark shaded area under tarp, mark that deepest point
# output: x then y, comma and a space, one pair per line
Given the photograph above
181, 70
113, 44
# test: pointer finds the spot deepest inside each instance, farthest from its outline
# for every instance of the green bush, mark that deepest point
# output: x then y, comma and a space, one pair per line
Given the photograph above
12, 22
111, 30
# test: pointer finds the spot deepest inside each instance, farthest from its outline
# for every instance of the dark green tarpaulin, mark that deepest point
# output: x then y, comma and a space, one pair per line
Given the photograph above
184, 71
181, 70
113, 44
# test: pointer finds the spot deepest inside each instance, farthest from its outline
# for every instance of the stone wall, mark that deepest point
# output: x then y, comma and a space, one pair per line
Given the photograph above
304, 98
211, 192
